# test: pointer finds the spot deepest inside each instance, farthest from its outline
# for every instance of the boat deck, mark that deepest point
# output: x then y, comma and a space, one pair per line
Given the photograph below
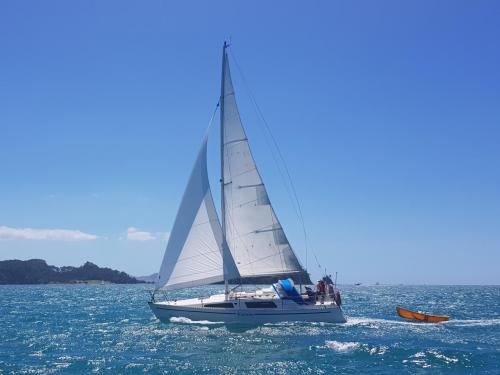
245, 296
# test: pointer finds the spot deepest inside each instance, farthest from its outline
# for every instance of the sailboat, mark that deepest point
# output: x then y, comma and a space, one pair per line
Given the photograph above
248, 243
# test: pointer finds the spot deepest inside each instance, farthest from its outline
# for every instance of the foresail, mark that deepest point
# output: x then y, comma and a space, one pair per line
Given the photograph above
253, 232
194, 254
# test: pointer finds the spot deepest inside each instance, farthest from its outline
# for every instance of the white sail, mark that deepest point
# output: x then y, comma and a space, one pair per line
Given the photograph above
253, 232
194, 254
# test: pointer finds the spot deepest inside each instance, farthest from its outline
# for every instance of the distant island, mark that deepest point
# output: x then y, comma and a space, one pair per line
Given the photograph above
37, 271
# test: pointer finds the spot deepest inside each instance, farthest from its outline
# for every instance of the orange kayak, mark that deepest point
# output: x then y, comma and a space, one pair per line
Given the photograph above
420, 316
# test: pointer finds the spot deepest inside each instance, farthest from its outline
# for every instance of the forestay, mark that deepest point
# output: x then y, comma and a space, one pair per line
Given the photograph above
253, 232
194, 254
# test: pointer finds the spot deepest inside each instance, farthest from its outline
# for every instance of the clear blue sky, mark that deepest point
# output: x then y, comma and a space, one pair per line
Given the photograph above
387, 112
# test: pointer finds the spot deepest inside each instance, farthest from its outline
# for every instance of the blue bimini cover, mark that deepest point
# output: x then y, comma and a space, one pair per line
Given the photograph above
289, 291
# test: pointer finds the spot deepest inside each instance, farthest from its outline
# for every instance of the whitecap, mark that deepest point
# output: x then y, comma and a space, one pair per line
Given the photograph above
61, 365
382, 350
438, 355
342, 347
419, 359
418, 355
132, 365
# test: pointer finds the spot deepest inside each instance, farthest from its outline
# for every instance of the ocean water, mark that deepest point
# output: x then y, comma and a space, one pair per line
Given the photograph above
109, 329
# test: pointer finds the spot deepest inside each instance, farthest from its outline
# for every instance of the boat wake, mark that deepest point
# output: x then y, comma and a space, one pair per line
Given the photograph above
364, 321
473, 322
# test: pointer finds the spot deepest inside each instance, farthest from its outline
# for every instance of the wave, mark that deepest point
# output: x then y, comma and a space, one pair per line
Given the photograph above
342, 347
349, 346
183, 320
442, 357
428, 358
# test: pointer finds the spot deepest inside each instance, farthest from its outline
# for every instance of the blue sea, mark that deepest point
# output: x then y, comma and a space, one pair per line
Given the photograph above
109, 329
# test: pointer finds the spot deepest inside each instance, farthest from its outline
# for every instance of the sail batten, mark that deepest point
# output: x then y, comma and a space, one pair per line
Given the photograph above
253, 232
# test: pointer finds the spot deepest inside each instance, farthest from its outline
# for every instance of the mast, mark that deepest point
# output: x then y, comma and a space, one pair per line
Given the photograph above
223, 201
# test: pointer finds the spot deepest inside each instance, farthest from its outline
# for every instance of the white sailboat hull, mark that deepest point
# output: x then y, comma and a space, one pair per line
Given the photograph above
240, 313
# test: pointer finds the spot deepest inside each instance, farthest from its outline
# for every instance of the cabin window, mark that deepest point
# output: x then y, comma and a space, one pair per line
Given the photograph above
261, 305
220, 305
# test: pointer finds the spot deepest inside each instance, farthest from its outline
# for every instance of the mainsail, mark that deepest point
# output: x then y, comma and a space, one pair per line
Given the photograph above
252, 230
194, 254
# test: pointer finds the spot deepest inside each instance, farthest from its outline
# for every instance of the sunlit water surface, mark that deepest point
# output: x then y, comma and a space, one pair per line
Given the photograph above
110, 329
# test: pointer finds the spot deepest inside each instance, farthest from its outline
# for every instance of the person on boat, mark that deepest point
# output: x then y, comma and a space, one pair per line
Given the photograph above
319, 287
311, 295
337, 298
328, 279
320, 290
329, 287
330, 290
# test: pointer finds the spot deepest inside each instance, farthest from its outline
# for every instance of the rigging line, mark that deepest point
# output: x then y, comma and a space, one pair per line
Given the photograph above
254, 102
210, 123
